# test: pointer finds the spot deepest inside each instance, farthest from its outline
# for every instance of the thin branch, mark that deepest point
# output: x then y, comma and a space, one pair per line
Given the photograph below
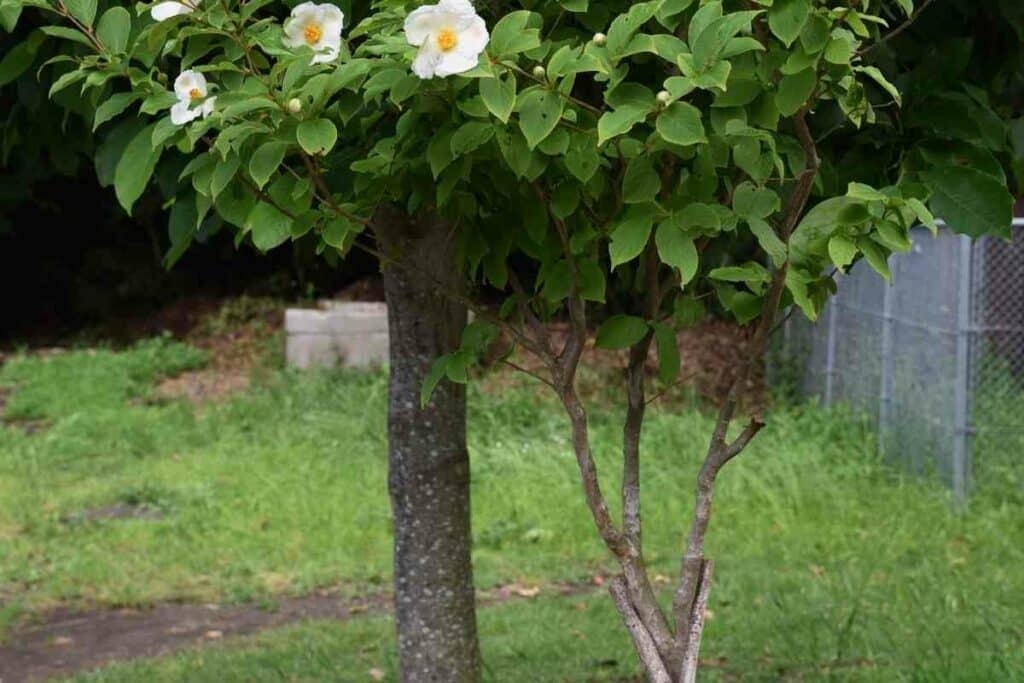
898, 30
695, 630
719, 451
642, 640
532, 374
531, 319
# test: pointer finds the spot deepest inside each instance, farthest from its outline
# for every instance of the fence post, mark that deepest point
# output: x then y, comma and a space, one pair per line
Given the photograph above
885, 388
830, 352
961, 416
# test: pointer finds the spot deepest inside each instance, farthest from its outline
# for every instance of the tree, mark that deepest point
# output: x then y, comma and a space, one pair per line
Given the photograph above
626, 164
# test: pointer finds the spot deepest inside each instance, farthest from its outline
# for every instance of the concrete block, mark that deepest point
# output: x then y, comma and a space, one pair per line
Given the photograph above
345, 334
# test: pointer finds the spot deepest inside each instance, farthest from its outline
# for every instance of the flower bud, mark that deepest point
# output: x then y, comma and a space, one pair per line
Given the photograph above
664, 97
295, 105
600, 39
539, 71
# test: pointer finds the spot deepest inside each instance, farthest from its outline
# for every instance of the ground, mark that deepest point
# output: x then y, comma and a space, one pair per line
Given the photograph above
136, 507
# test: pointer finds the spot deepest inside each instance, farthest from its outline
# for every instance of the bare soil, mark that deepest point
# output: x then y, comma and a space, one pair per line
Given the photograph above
66, 642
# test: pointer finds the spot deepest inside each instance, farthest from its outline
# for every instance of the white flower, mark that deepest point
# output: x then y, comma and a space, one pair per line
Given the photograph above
190, 87
318, 27
166, 10
450, 36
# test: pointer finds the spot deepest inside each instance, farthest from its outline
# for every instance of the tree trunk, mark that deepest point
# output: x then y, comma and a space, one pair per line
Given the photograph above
428, 461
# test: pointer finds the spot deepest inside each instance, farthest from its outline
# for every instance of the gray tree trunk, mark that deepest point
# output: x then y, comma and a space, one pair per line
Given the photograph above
428, 461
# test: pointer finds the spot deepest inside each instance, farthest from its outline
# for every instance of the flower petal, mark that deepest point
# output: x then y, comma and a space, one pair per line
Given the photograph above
473, 39
293, 33
455, 62
461, 7
327, 50
208, 106
181, 114
427, 60
332, 13
186, 82
421, 23
166, 10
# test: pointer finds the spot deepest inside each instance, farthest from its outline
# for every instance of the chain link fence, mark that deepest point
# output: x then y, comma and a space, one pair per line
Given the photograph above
936, 360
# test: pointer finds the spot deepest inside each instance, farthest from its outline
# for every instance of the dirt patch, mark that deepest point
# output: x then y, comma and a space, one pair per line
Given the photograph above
68, 642
711, 356
237, 338
118, 511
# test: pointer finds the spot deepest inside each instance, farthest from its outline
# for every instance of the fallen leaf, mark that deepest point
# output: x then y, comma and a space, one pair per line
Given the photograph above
61, 641
213, 634
526, 592
376, 674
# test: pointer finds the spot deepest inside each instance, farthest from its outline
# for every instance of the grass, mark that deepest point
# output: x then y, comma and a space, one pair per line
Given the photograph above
830, 566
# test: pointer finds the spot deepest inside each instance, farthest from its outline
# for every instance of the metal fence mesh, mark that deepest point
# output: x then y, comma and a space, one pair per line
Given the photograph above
936, 360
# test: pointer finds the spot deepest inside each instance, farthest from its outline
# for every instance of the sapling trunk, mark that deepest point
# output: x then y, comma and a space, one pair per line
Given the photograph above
428, 461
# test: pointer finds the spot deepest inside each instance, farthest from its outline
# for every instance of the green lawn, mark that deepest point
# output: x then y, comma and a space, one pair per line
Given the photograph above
830, 566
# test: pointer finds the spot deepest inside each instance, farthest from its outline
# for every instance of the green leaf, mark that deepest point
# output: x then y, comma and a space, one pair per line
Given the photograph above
787, 18
135, 167
514, 33
470, 136
621, 332
592, 282
875, 74
842, 251
83, 10
751, 201
713, 40
181, 229
539, 112
269, 227
265, 161
19, 58
839, 51
66, 33
499, 95
795, 90
681, 124
438, 370
112, 106
970, 201
769, 241
630, 236
923, 214
641, 183
749, 272
114, 28
317, 136
677, 250
439, 153
620, 121
626, 25
668, 352
875, 256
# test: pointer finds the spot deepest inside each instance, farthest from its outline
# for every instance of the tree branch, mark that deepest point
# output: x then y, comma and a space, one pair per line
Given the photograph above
642, 641
691, 660
898, 30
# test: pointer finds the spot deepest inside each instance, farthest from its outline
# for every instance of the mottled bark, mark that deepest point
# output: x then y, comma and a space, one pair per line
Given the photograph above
428, 462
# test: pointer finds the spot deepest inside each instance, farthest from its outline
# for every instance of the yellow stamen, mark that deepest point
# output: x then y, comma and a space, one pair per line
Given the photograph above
447, 40
312, 33
195, 94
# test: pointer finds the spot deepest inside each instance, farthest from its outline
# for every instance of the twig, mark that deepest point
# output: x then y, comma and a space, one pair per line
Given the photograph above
898, 30
642, 641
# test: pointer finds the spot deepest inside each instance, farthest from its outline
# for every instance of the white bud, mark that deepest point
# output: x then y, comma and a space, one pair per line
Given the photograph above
295, 105
539, 71
600, 39
664, 97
